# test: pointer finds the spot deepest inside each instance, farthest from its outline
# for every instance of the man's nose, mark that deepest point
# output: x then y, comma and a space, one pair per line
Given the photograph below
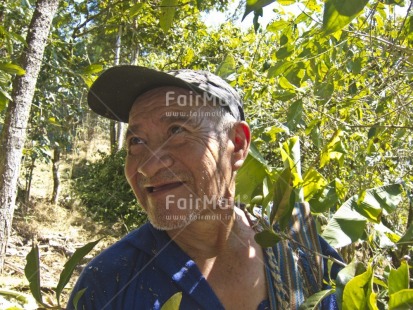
156, 160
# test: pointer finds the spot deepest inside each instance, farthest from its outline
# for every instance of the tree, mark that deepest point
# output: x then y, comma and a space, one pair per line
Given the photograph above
14, 131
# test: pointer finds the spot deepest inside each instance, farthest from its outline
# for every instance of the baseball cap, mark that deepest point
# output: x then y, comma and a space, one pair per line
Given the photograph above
116, 89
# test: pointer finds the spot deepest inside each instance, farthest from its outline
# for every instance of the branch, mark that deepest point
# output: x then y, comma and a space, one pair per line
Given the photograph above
335, 260
284, 236
90, 18
380, 126
403, 49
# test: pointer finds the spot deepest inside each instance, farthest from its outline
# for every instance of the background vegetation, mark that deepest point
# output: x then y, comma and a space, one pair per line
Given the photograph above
327, 89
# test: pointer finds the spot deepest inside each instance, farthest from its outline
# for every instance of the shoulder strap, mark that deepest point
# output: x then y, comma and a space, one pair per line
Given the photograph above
294, 271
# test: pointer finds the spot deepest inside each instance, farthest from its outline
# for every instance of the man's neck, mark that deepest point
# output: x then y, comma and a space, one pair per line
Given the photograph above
229, 259
208, 238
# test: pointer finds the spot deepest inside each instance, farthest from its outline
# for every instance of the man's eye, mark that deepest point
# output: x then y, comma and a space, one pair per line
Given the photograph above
176, 129
135, 141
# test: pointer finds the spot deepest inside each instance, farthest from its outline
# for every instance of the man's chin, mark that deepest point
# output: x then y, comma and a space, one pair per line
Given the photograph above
172, 222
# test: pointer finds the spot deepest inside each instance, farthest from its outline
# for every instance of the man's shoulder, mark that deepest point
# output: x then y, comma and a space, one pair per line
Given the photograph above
115, 267
125, 253
121, 259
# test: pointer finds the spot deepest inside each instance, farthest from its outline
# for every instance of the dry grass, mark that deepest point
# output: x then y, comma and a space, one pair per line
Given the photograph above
57, 229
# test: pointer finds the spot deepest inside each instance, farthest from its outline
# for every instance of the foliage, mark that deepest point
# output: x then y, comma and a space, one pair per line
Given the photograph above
334, 75
367, 288
173, 302
277, 191
32, 273
15, 20
103, 189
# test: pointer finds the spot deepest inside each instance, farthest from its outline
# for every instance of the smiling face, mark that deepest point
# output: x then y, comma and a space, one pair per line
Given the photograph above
179, 165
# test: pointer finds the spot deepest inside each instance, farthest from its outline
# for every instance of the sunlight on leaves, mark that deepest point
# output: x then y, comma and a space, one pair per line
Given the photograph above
168, 9
173, 302
339, 13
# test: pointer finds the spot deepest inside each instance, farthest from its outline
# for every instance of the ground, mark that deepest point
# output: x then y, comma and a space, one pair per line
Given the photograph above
58, 230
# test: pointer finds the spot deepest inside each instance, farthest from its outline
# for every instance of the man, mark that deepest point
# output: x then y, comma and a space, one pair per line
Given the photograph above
186, 139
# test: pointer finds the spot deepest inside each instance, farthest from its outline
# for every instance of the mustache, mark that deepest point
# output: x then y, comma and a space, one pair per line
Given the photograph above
165, 175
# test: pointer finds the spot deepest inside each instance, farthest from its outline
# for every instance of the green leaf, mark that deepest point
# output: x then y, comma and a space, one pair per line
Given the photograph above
389, 196
284, 52
358, 291
347, 224
12, 68
396, 2
91, 69
386, 197
369, 207
134, 10
227, 67
257, 155
281, 201
291, 156
267, 238
257, 200
295, 114
313, 183
284, 95
285, 83
32, 273
345, 275
257, 14
277, 25
408, 236
399, 278
255, 5
325, 199
385, 237
401, 300
324, 90
88, 79
173, 303
17, 37
23, 299
274, 130
77, 297
334, 150
4, 99
252, 176
286, 2
70, 266
282, 67
314, 301
345, 227
168, 9
339, 13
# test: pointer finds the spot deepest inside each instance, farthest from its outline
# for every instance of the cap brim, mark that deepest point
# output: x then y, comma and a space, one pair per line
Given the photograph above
115, 90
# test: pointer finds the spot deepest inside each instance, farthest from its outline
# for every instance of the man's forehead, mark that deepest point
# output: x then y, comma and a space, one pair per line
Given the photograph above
160, 105
162, 94
163, 99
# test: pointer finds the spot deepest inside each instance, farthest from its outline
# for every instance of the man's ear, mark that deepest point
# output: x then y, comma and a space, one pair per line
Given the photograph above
241, 135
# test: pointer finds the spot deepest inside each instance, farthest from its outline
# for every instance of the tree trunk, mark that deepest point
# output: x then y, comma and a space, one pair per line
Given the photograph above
2, 10
117, 129
56, 175
14, 131
112, 136
120, 135
29, 179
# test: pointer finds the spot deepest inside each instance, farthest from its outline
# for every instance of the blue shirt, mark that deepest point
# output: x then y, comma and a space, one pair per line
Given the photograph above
145, 268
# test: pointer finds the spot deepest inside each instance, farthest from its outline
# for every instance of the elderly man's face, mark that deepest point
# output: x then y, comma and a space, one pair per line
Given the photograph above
178, 166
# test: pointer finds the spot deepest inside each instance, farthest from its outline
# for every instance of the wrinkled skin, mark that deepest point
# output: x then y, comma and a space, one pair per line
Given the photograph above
178, 166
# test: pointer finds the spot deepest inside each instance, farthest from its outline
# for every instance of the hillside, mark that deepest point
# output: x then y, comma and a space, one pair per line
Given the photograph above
57, 230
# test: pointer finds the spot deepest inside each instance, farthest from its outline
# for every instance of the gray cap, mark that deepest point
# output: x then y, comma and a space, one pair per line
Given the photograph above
115, 90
